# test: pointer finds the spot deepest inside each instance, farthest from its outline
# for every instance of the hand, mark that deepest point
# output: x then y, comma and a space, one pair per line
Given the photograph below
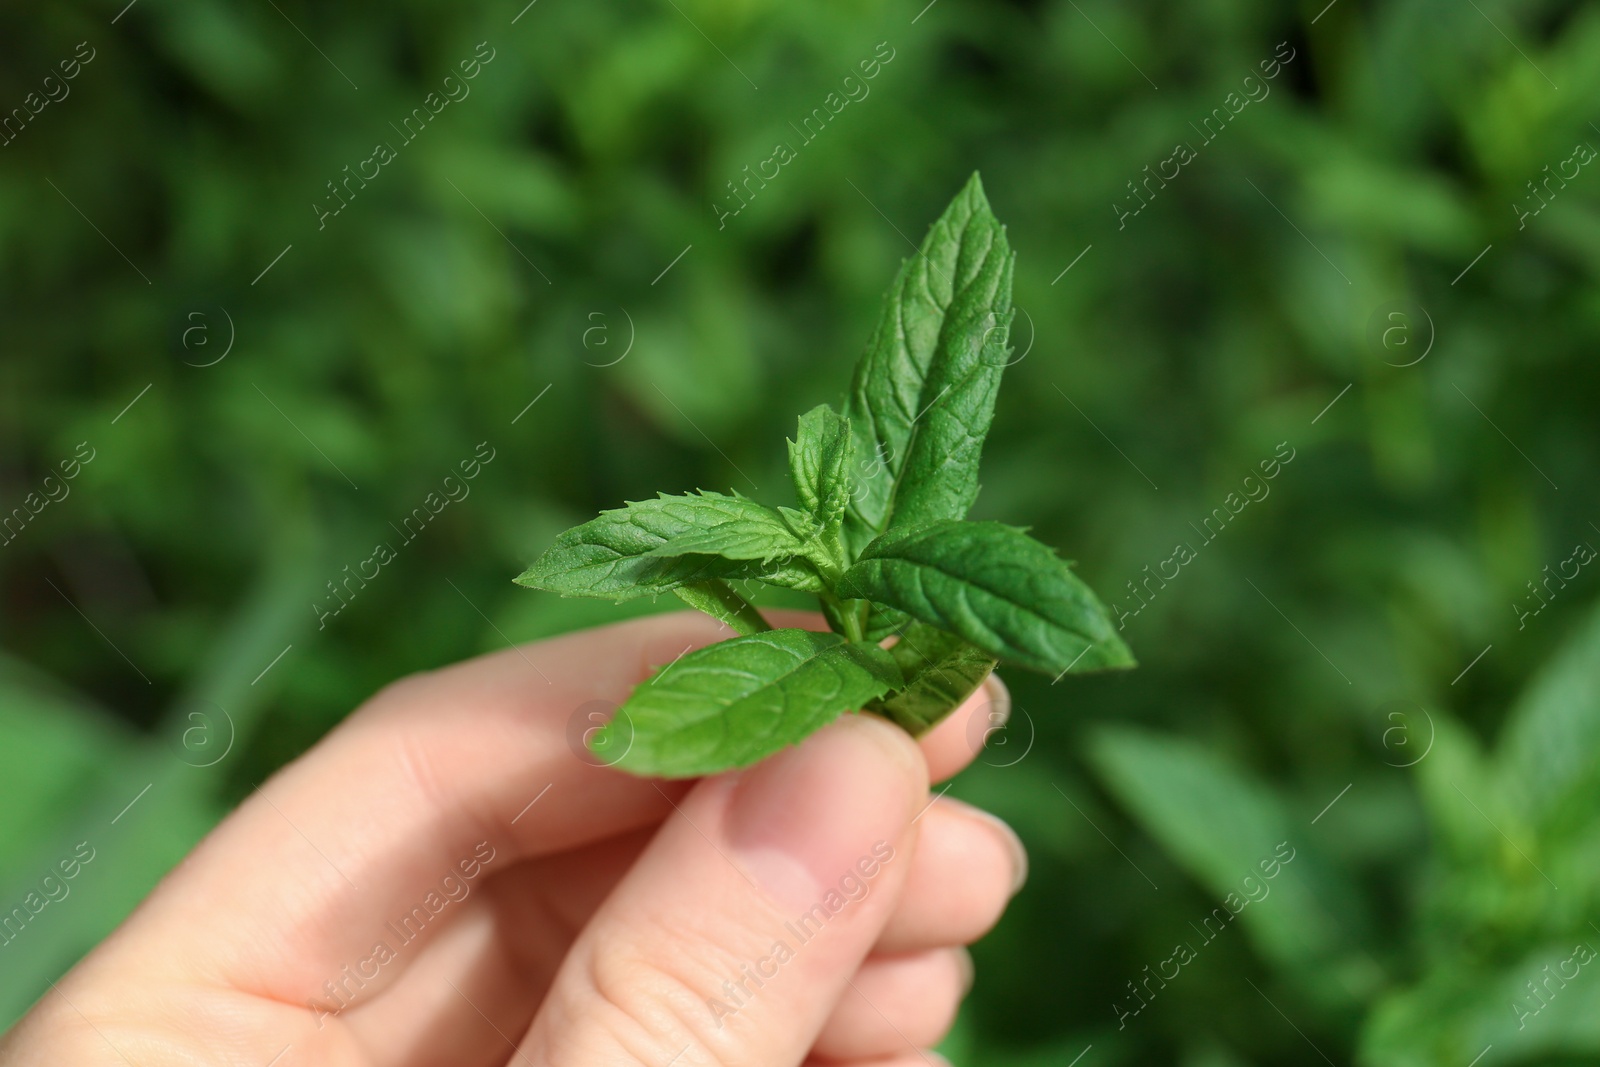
443, 880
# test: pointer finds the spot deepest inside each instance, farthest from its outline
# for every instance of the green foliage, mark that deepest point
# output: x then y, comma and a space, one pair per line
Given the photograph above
996, 587
977, 592
719, 600
1226, 829
654, 546
923, 393
819, 458
1552, 734
737, 701
1511, 921
940, 671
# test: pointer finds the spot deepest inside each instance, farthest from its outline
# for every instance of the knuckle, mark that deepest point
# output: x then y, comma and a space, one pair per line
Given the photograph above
404, 692
652, 995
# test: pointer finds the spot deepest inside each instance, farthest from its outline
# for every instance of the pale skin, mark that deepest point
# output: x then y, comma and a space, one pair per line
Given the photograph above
613, 917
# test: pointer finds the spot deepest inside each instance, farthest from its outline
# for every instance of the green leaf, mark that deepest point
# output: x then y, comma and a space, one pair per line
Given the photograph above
1226, 828
1553, 731
755, 536
1488, 1016
941, 670
615, 555
733, 703
51, 742
718, 599
923, 393
994, 586
819, 464
1461, 797
884, 621
794, 573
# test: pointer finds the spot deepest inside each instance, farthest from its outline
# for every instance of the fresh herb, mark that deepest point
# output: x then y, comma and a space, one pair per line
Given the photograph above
880, 537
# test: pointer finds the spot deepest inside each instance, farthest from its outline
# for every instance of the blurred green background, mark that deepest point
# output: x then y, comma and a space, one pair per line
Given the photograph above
1354, 665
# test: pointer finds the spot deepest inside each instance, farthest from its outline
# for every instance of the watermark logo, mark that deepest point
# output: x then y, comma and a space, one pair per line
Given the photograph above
589, 739
997, 338
197, 341
207, 738
1408, 733
990, 729
597, 337
1400, 332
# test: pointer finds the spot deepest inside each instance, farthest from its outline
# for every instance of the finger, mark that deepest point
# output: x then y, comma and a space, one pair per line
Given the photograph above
434, 1010
950, 746
921, 1058
733, 937
966, 868
395, 818
496, 966
897, 1005
957, 740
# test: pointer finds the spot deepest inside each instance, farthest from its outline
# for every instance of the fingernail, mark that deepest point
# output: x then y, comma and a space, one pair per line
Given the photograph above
828, 815
999, 700
968, 972
1019, 853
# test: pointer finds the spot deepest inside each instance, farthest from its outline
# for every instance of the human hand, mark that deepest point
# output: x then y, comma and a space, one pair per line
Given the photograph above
443, 880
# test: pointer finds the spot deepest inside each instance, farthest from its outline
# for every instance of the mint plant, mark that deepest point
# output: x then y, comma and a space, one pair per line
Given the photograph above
880, 537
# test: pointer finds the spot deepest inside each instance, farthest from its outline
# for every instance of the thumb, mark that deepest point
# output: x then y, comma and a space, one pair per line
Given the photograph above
741, 926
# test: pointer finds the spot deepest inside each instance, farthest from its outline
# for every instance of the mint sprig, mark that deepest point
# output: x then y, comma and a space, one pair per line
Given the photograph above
880, 537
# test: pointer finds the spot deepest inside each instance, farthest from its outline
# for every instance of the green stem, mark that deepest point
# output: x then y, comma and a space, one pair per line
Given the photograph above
861, 615
849, 618
718, 599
